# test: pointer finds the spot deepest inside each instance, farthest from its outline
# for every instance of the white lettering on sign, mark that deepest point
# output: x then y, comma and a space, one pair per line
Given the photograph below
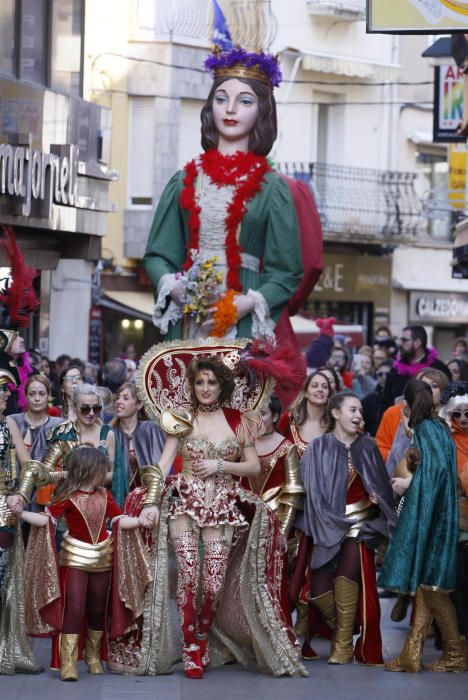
27, 173
441, 307
331, 278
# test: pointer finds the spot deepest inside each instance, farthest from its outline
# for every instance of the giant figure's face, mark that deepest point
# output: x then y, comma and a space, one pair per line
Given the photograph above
235, 109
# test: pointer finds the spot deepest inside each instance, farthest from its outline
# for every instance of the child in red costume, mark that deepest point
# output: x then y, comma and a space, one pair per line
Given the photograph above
85, 559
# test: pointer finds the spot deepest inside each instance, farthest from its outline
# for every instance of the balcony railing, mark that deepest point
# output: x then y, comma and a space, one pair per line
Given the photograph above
363, 203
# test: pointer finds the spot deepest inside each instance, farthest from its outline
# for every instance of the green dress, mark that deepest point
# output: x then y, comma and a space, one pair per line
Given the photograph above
269, 233
422, 551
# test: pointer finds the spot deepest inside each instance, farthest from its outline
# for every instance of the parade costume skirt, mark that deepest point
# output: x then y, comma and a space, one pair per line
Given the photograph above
249, 623
210, 503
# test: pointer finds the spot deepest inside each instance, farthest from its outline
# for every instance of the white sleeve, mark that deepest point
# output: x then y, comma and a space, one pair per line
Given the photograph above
173, 312
263, 325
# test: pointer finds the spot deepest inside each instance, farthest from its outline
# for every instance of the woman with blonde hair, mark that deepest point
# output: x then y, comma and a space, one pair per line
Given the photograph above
141, 441
306, 418
35, 424
88, 428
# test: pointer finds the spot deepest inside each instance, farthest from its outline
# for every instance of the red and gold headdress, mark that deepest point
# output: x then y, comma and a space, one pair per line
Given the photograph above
239, 63
161, 375
257, 366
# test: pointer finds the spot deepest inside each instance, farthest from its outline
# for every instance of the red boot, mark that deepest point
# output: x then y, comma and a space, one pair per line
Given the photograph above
204, 650
192, 661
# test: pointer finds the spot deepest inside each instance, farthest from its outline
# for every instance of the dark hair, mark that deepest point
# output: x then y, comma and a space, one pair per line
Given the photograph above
335, 376
462, 368
418, 333
461, 341
113, 374
264, 132
276, 407
418, 396
453, 389
336, 402
338, 348
66, 369
385, 363
299, 406
386, 329
222, 373
85, 465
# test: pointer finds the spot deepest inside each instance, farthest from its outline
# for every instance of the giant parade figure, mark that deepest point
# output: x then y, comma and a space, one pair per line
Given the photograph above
234, 246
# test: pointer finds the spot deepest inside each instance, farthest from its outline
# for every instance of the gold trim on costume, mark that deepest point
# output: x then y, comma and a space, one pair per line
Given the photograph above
87, 557
242, 72
7, 517
177, 422
358, 513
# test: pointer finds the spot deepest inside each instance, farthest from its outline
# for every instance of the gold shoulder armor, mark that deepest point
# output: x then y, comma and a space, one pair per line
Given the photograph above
177, 422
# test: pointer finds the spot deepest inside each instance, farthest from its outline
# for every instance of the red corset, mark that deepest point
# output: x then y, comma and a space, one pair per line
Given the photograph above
86, 514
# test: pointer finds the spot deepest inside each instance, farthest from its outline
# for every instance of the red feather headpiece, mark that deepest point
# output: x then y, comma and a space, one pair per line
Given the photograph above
19, 298
281, 361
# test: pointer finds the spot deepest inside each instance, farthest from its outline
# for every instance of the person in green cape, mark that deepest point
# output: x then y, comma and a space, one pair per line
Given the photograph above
421, 557
229, 213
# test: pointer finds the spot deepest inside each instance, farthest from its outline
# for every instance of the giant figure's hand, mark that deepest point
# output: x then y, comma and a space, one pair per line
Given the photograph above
178, 292
245, 305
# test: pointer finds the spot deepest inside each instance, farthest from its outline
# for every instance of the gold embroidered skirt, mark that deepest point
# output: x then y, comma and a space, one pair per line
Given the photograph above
87, 557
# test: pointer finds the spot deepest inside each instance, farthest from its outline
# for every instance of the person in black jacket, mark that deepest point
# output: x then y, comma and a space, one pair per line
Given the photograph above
414, 356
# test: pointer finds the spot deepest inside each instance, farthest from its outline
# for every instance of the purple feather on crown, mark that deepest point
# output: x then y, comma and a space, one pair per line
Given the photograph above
264, 62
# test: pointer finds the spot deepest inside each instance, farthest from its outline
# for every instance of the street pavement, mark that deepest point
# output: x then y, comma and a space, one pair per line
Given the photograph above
352, 682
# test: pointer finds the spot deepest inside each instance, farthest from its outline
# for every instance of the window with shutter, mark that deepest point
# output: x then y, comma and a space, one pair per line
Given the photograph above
189, 131
141, 151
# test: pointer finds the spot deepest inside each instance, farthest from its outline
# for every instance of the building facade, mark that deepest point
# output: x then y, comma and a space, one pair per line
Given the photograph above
355, 122
54, 166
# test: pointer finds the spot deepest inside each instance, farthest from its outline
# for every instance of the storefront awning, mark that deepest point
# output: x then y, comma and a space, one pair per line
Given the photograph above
349, 66
133, 304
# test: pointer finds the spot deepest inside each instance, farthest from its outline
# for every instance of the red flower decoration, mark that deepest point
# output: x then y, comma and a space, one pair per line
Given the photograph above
244, 171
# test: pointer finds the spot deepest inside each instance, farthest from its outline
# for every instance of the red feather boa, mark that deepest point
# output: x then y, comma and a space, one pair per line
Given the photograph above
20, 297
246, 172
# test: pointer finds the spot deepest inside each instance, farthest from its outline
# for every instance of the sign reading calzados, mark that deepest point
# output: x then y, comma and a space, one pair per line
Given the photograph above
440, 308
28, 174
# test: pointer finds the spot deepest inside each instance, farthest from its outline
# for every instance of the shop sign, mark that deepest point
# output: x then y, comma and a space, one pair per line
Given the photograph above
438, 308
457, 175
448, 104
417, 16
362, 278
28, 174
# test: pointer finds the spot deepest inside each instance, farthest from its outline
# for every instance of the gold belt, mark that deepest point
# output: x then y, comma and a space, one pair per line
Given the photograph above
463, 513
87, 557
358, 513
7, 517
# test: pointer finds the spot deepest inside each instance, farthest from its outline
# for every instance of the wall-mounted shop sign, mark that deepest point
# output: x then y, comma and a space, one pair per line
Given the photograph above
27, 174
417, 16
438, 308
448, 104
361, 278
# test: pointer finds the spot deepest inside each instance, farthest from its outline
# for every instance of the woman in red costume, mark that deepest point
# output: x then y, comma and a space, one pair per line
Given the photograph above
278, 482
85, 558
305, 420
348, 508
228, 601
